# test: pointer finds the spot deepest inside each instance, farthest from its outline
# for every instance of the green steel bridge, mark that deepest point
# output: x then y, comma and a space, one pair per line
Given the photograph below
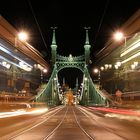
90, 93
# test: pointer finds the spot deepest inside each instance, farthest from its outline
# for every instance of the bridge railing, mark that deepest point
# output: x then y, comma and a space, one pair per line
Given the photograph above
46, 94
41, 89
96, 94
91, 94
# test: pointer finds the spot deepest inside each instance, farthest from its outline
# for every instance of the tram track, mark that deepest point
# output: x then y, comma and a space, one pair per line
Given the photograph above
67, 114
77, 123
66, 122
55, 129
51, 113
86, 133
89, 116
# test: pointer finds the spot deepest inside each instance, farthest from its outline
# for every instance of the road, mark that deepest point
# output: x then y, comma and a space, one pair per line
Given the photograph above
70, 123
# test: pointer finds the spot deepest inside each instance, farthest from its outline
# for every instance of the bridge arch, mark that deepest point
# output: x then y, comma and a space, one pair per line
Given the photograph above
71, 76
89, 93
70, 62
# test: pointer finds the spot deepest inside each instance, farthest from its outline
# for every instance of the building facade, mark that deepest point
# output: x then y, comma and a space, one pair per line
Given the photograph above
119, 62
21, 65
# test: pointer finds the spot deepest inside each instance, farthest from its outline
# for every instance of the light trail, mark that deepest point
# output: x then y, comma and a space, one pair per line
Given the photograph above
117, 111
22, 112
124, 117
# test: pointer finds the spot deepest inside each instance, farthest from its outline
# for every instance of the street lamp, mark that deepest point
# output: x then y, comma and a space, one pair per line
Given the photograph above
41, 76
86, 89
118, 36
42, 70
22, 36
96, 70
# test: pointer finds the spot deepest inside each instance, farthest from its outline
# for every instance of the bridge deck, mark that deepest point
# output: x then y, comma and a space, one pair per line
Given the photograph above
70, 123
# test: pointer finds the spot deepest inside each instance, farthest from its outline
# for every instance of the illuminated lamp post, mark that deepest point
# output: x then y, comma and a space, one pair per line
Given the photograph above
96, 70
119, 36
86, 88
41, 76
22, 36
42, 70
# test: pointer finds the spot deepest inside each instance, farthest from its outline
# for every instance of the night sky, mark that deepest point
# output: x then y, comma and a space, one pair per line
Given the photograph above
70, 17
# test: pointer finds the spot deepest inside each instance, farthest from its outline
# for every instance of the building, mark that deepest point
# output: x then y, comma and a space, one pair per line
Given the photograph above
119, 62
21, 65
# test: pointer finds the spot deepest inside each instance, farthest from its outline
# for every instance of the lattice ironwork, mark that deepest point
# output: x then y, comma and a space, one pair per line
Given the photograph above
70, 62
90, 95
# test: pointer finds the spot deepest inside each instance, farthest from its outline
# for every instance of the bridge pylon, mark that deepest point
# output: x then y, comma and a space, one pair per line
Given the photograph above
90, 95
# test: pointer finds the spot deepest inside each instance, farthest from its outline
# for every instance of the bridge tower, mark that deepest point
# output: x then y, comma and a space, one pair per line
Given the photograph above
87, 47
53, 48
89, 94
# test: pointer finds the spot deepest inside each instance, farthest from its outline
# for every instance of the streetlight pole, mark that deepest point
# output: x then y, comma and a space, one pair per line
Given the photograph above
99, 78
99, 75
41, 76
21, 36
86, 89
124, 41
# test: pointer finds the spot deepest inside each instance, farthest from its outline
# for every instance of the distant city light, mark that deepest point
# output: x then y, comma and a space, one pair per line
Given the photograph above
136, 63
45, 70
118, 63
106, 66
133, 66
102, 68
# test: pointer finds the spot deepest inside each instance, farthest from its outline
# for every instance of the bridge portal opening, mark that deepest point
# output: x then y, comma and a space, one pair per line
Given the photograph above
70, 76
70, 79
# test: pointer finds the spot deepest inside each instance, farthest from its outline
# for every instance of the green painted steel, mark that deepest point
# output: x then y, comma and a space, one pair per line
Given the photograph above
50, 92
90, 94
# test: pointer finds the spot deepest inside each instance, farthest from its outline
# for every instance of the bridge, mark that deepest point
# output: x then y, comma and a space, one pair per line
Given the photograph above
23, 68
33, 108
89, 93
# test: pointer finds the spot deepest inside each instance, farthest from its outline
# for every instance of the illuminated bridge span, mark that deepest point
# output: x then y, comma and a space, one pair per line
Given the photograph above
21, 68
89, 95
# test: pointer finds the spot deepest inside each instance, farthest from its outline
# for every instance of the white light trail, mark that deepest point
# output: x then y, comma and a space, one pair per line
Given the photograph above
131, 48
8, 52
123, 117
131, 57
22, 112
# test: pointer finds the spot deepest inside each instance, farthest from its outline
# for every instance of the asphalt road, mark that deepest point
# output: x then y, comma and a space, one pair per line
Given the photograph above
70, 123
